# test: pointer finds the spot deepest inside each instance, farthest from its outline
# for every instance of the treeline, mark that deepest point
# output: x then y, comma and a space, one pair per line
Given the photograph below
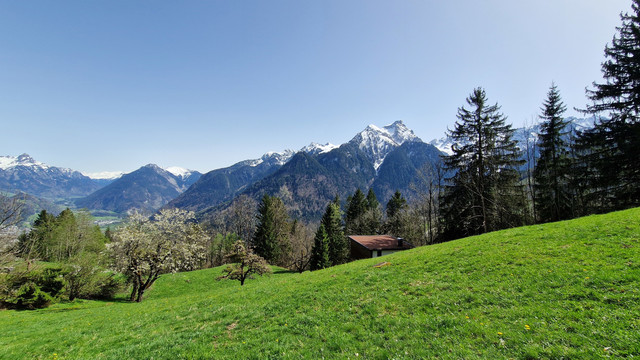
575, 174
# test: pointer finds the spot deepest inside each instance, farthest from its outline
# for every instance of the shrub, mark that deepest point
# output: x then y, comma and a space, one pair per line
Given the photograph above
25, 288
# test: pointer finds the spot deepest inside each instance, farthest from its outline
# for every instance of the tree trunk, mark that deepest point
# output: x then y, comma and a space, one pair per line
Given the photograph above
134, 291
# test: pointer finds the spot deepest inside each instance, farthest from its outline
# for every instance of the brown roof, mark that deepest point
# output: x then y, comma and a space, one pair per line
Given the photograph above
380, 242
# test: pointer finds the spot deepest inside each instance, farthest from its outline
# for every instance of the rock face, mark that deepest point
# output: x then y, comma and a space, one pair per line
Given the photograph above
25, 174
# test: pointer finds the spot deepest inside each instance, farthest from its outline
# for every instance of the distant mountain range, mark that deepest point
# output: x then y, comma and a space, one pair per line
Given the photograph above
385, 159
26, 175
146, 189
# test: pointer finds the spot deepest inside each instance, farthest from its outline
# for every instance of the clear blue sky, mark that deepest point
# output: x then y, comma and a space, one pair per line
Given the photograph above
114, 85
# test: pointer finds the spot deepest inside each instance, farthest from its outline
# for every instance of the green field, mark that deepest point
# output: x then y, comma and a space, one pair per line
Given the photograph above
562, 290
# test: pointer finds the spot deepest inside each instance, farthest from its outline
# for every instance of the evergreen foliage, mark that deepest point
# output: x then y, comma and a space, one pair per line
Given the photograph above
271, 238
395, 215
356, 207
363, 214
320, 251
484, 193
332, 222
552, 173
610, 151
395, 204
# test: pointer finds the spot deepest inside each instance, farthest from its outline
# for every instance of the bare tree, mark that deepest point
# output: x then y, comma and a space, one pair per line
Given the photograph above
426, 207
11, 211
301, 238
530, 153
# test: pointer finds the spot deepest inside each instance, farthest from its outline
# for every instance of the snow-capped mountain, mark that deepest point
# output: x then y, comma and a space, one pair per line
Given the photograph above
385, 159
378, 142
272, 158
23, 173
315, 148
8, 162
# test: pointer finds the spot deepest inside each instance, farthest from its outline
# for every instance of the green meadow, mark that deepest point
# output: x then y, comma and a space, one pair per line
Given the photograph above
561, 290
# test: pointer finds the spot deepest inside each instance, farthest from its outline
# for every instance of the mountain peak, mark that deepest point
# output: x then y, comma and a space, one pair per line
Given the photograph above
26, 160
179, 171
377, 142
315, 148
153, 167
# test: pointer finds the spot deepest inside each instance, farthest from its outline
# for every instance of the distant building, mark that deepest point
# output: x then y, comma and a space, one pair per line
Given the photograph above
370, 246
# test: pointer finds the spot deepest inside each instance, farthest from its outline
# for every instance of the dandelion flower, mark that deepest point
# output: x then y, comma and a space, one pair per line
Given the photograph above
527, 327
499, 333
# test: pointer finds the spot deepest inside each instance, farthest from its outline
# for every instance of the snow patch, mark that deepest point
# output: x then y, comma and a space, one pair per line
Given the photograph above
315, 148
104, 175
179, 171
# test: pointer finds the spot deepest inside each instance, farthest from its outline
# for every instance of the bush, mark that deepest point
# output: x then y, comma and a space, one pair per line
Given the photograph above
87, 279
26, 288
109, 285
28, 296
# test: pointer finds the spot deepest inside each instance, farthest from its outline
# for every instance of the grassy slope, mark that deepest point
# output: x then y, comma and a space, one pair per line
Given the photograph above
566, 289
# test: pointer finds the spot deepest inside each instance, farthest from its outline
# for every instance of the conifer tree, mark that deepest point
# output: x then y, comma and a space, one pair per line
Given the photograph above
356, 207
373, 215
484, 193
610, 151
320, 250
394, 213
332, 221
552, 192
270, 239
395, 204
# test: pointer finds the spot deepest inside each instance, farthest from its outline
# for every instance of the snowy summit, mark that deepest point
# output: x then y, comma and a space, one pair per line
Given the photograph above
378, 142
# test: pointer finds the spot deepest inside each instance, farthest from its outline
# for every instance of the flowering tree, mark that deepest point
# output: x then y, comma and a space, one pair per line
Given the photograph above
245, 264
146, 248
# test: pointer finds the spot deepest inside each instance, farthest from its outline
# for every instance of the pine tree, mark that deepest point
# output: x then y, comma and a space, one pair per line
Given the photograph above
356, 207
332, 221
320, 250
270, 239
373, 215
395, 205
610, 151
552, 173
484, 193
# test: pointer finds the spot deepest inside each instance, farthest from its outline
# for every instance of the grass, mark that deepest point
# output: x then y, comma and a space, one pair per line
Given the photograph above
561, 290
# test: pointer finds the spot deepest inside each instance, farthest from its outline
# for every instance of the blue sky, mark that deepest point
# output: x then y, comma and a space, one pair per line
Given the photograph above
114, 85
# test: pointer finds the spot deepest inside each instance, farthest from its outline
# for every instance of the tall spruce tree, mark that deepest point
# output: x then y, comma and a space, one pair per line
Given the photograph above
270, 240
356, 207
395, 205
332, 221
552, 173
373, 215
610, 151
320, 250
484, 194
